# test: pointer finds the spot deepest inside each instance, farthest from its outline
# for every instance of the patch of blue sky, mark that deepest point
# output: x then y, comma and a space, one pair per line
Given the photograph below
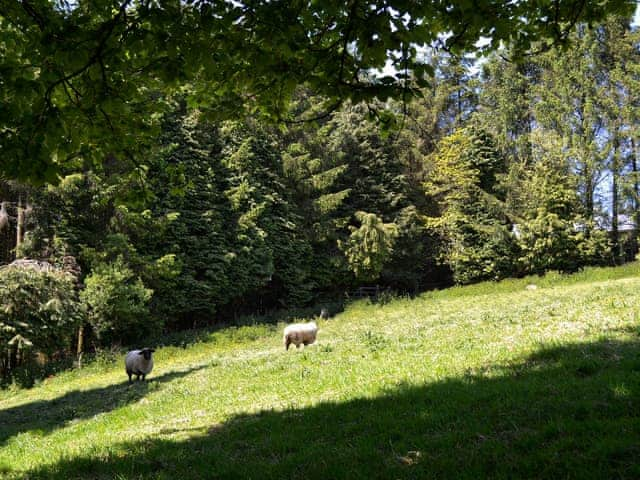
475, 68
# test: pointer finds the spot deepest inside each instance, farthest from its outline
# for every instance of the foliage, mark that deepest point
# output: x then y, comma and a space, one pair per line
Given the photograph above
583, 101
97, 74
233, 231
552, 235
515, 171
39, 312
369, 246
187, 187
267, 220
346, 166
117, 304
89, 217
462, 180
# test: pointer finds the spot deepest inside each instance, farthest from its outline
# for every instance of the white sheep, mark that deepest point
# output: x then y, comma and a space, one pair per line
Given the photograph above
139, 363
298, 333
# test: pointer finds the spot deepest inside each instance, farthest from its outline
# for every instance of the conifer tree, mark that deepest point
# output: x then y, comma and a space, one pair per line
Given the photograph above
462, 181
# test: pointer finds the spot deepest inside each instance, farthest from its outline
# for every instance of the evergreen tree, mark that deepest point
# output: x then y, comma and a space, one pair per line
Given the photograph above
273, 254
462, 181
188, 184
506, 99
380, 175
620, 57
569, 104
369, 246
552, 235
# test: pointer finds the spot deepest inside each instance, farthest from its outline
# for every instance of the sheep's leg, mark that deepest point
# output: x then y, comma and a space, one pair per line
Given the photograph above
287, 343
143, 375
129, 373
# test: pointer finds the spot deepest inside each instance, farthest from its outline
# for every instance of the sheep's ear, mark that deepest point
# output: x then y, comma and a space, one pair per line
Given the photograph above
152, 350
141, 352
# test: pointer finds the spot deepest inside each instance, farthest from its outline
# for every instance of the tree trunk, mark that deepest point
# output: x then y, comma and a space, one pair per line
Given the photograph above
20, 224
588, 160
635, 216
588, 192
615, 236
79, 349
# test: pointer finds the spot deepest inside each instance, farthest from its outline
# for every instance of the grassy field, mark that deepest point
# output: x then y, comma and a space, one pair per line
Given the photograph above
488, 381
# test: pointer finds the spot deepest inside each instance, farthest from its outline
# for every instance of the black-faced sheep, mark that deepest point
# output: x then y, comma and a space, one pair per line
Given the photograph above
300, 333
139, 363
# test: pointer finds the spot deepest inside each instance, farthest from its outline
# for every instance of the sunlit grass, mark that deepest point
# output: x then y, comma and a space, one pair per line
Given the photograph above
491, 380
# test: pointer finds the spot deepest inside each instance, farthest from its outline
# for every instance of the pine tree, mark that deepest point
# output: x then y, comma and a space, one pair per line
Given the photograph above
552, 233
462, 181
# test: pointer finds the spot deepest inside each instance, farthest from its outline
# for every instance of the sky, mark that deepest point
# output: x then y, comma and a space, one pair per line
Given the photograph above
389, 70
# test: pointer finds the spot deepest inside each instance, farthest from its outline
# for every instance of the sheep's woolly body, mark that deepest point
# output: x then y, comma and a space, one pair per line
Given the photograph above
136, 364
300, 333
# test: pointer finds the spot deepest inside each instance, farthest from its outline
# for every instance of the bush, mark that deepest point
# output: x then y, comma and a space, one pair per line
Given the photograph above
39, 313
117, 304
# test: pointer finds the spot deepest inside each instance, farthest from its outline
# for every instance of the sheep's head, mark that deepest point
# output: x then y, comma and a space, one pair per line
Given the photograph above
146, 353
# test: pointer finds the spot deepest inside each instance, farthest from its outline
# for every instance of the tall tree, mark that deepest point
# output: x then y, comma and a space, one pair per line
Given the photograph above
552, 234
569, 103
506, 101
462, 181
455, 91
620, 56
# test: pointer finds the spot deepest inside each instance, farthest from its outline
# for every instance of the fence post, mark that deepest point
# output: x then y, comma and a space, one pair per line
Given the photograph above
79, 349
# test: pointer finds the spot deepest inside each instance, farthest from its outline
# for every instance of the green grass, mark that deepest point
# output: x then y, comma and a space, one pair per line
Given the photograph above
487, 381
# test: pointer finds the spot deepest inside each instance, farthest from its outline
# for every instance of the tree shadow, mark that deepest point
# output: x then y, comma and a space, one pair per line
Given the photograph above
49, 415
564, 412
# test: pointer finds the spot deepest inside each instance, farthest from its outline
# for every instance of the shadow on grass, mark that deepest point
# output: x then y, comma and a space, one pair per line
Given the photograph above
48, 415
565, 412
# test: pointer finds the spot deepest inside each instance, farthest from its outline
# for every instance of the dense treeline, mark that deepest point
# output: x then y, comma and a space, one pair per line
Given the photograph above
500, 169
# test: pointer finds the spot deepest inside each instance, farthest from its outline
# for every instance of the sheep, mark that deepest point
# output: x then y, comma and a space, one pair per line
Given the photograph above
298, 333
139, 363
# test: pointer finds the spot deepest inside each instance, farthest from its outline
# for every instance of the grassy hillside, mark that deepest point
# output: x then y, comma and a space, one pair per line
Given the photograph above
492, 380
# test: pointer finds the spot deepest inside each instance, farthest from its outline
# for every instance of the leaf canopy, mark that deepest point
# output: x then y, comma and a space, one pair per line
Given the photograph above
81, 80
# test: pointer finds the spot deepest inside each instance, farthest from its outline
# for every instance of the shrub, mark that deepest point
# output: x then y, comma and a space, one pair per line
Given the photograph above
117, 304
39, 312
